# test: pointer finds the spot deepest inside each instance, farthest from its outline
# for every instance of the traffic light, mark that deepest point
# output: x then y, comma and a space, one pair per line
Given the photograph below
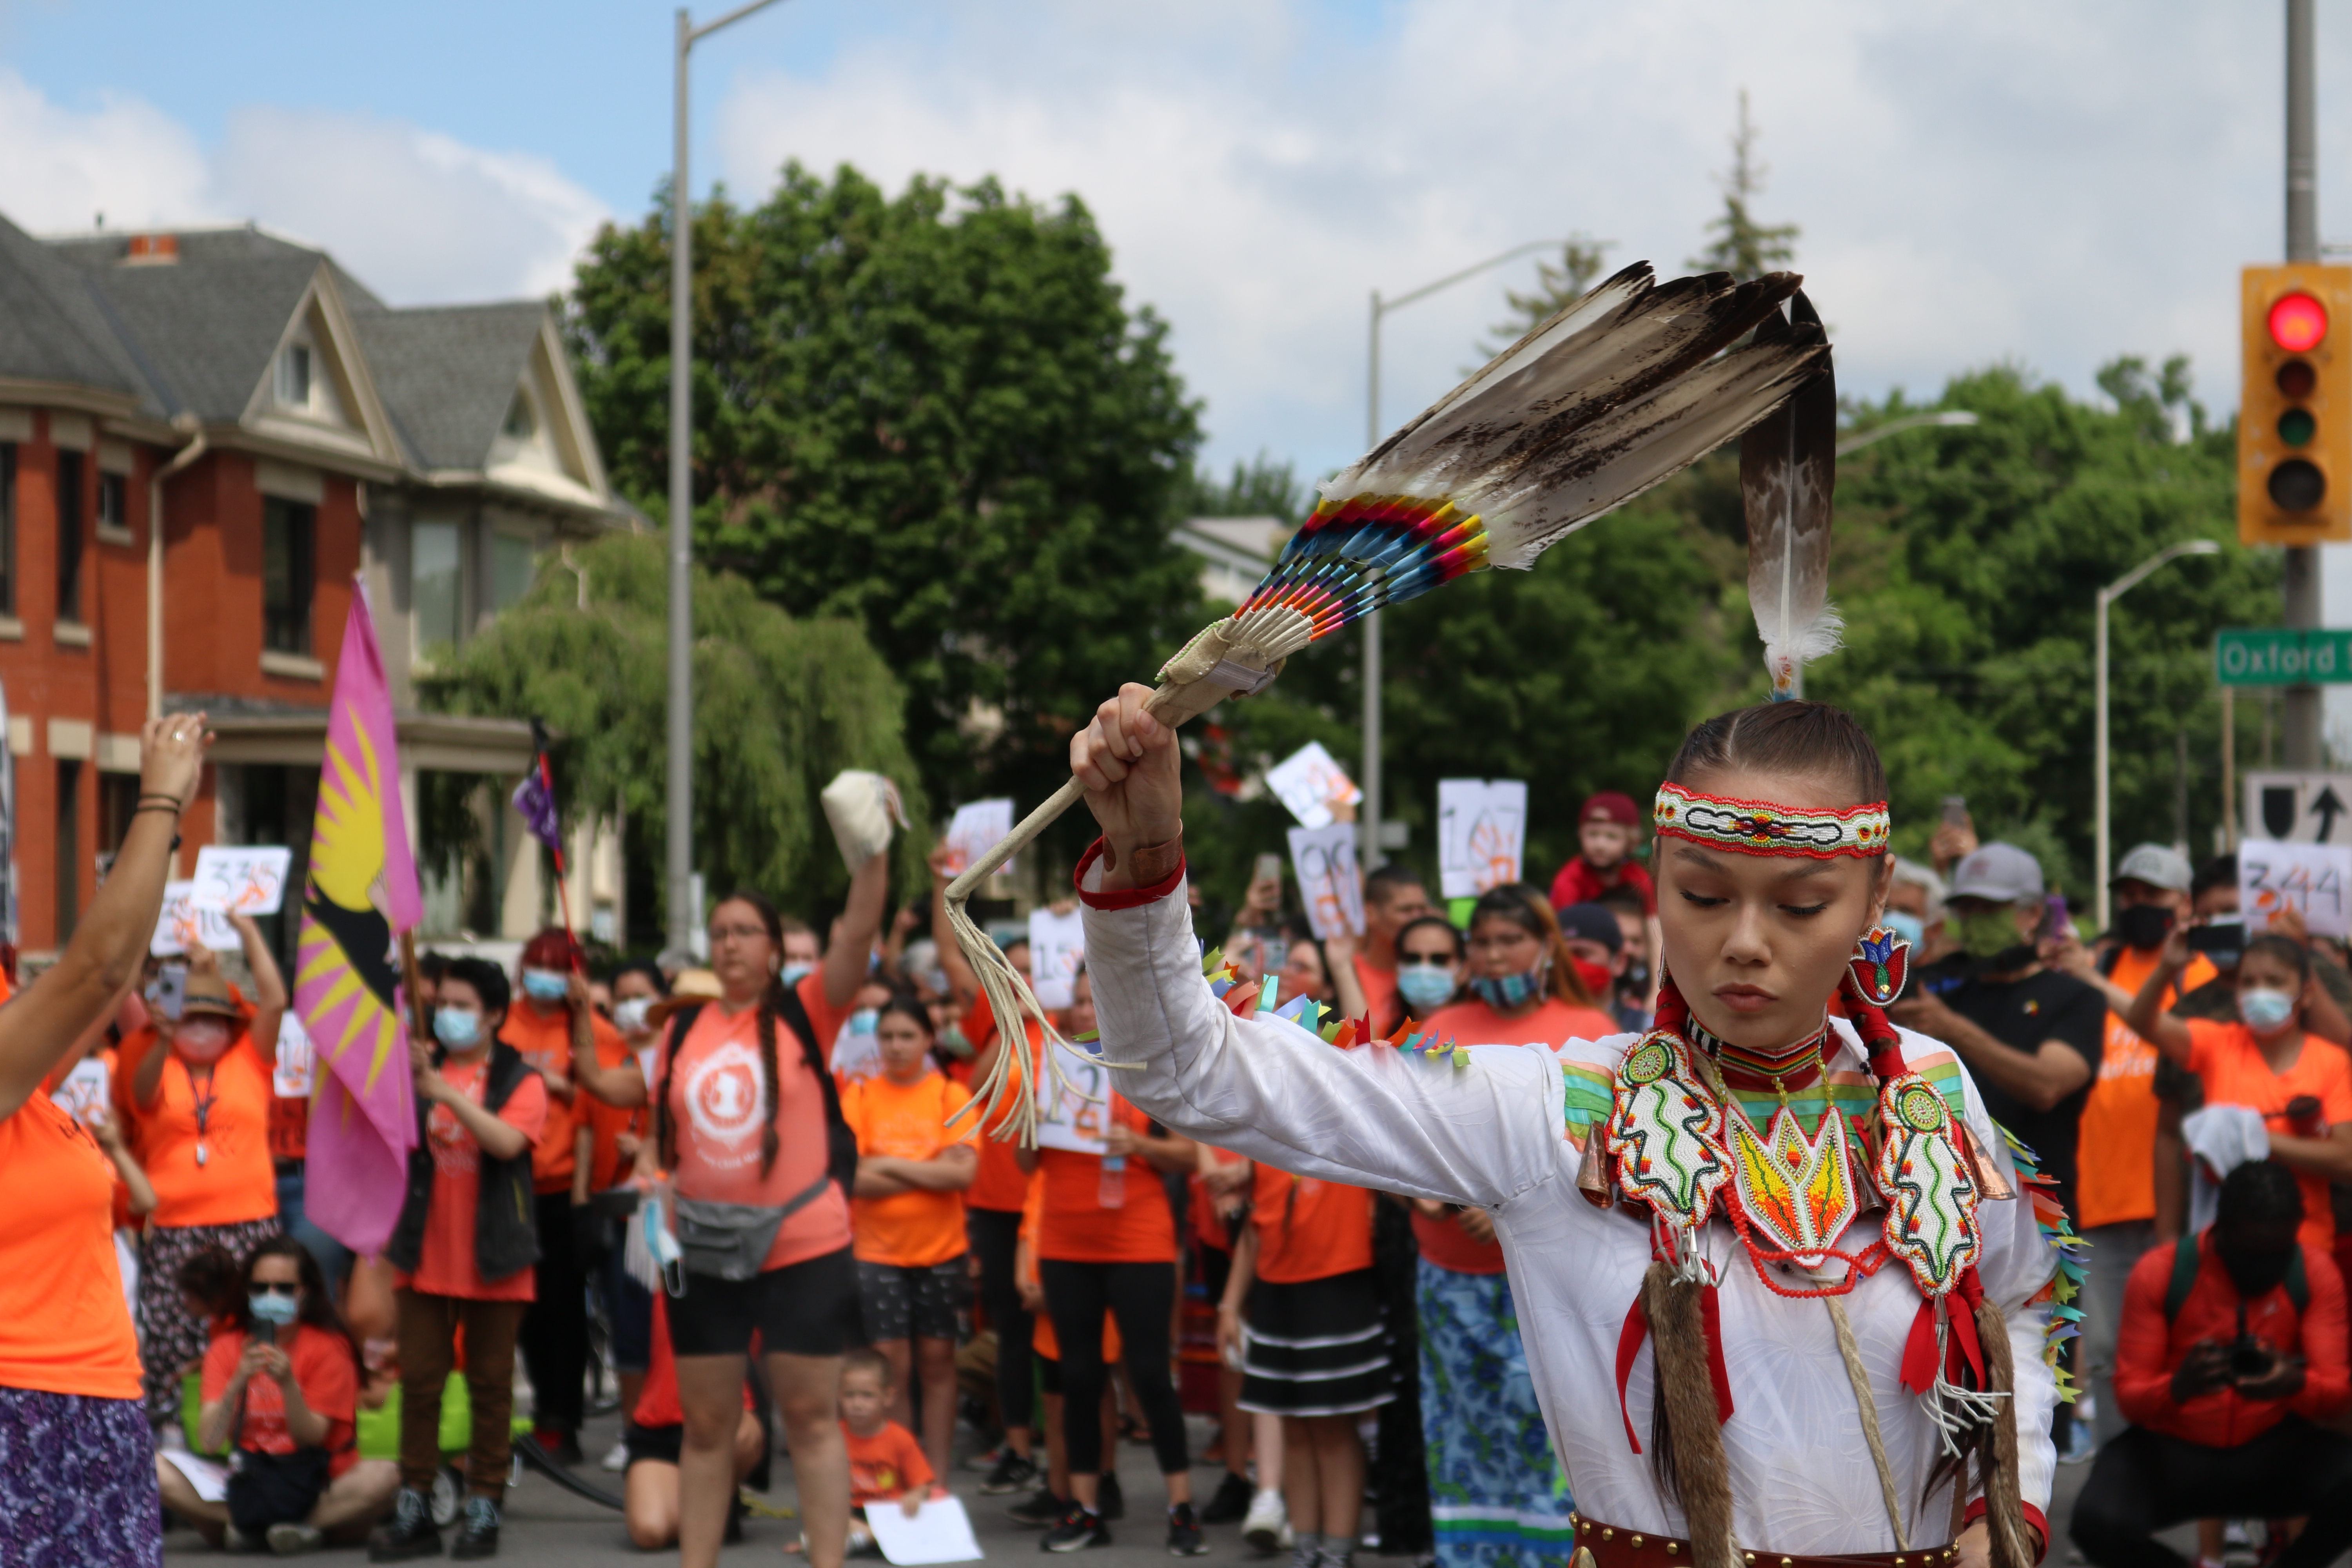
2295, 413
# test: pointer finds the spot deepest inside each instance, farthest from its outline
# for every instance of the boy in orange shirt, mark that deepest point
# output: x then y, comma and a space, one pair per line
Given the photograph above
884, 1461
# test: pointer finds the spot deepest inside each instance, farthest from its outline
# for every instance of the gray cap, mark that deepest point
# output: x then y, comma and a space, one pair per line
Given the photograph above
2000, 872
2157, 866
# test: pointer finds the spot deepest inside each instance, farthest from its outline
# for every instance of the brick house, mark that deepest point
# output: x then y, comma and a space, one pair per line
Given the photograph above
205, 438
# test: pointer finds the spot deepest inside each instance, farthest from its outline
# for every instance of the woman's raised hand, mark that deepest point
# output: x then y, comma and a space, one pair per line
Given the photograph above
171, 755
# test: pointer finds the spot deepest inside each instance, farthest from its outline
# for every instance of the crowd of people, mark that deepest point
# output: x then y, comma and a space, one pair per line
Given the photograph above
868, 1266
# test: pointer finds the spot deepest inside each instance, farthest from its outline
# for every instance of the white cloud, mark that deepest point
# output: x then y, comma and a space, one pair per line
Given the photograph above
417, 216
2008, 181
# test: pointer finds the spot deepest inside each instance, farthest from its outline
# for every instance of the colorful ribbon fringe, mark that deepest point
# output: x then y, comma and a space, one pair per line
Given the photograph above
1357, 554
2066, 1285
1322, 1022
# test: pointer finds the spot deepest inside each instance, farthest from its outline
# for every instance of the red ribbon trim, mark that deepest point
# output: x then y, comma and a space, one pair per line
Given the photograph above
1125, 898
1919, 1351
1629, 1345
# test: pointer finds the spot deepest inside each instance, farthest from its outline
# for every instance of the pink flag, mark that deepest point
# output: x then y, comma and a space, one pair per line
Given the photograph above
361, 894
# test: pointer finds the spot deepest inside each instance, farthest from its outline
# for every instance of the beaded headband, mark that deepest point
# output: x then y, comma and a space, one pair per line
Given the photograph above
1760, 828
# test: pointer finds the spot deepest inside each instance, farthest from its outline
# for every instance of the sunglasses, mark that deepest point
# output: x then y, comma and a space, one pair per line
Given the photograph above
274, 1287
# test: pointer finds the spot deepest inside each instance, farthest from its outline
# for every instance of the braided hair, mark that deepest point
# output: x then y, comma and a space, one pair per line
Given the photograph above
771, 1002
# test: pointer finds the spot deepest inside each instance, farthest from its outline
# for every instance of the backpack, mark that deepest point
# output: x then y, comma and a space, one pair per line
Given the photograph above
2184, 1279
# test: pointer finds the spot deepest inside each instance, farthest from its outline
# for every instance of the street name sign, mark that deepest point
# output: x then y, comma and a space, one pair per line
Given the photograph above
2281, 656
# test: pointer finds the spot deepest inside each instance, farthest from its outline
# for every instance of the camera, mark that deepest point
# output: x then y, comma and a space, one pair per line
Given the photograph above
2249, 1359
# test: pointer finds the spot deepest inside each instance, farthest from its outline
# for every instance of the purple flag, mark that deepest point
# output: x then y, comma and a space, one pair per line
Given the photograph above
536, 802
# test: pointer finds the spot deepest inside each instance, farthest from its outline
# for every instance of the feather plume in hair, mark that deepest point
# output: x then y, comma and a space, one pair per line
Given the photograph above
1788, 469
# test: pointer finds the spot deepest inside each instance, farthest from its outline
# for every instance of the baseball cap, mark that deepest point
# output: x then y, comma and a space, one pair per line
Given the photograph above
2000, 872
1609, 806
1593, 923
2157, 866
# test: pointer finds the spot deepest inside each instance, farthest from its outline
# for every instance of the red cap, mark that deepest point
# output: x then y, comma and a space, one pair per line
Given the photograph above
1609, 806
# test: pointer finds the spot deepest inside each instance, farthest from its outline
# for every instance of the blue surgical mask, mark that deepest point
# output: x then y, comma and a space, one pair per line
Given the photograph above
1503, 992
1907, 926
1425, 987
793, 974
2265, 1011
270, 1307
456, 1028
546, 984
863, 1020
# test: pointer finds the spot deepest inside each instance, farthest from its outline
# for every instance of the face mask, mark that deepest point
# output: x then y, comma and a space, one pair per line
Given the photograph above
793, 974
457, 1030
270, 1307
629, 1016
2143, 926
546, 984
1596, 978
1425, 987
1988, 933
2265, 1011
863, 1021
1905, 925
1503, 992
202, 1043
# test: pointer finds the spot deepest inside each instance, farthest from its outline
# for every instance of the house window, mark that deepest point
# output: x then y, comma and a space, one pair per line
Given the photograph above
289, 569
69, 536
111, 512
68, 861
7, 528
520, 423
512, 568
294, 375
437, 585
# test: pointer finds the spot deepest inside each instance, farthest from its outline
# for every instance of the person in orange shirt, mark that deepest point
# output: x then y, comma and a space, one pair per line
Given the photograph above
1052, 1500
1107, 1237
886, 1464
616, 1133
71, 1417
201, 1098
463, 1245
1522, 986
913, 1264
1393, 898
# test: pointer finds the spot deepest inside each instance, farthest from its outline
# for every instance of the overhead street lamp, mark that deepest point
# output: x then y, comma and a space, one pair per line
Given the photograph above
678, 864
1945, 419
2108, 595
1373, 855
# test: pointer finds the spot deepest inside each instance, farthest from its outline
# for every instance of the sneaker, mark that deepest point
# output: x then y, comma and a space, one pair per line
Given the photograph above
561, 1447
617, 1459
1041, 1508
1184, 1539
1109, 1501
2081, 1443
986, 1459
1078, 1530
1231, 1504
293, 1538
235, 1540
408, 1533
1267, 1523
479, 1535
1012, 1473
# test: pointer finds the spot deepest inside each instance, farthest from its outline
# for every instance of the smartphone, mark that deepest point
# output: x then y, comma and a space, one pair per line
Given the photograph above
2230, 938
264, 1331
2055, 922
169, 993
1267, 866
1956, 810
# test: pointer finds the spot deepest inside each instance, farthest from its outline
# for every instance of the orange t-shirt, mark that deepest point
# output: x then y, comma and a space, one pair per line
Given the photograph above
2233, 1070
324, 1372
1307, 1228
716, 1106
906, 1122
1073, 1224
63, 1326
224, 1109
447, 1266
1000, 1184
2115, 1159
545, 1041
884, 1466
1443, 1241
607, 1167
1379, 988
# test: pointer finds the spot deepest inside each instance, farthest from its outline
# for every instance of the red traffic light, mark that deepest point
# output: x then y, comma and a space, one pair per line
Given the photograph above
2297, 322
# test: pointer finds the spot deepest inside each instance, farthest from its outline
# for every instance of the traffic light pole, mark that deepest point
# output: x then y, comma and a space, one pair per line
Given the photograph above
2302, 575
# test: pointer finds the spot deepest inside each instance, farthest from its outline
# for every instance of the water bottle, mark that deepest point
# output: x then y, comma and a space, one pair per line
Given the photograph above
1111, 1189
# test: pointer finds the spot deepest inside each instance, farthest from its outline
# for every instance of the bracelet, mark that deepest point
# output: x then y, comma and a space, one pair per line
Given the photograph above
146, 807
157, 796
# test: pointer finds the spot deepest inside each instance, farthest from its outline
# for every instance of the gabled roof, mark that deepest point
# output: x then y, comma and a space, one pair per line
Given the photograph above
52, 328
448, 373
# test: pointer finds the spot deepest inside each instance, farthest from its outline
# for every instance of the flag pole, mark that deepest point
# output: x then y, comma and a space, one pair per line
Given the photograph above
419, 1027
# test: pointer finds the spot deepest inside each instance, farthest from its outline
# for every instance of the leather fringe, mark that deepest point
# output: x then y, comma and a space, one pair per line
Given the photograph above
2013, 1542
1685, 1426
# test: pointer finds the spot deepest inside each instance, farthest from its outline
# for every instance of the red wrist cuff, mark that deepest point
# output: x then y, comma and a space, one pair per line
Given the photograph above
2034, 1521
1125, 897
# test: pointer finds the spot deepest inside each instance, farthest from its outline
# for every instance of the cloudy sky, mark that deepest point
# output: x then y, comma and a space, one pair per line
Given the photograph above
2047, 184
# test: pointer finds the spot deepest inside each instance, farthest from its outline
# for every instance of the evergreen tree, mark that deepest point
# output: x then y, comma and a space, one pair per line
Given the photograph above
1556, 286
1743, 246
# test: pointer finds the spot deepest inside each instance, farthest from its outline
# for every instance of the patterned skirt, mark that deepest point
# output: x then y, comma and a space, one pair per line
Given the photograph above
1316, 1347
1497, 1495
76, 1483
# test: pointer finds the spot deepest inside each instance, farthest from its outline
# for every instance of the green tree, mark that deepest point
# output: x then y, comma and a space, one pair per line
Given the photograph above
1742, 246
933, 414
1259, 487
780, 705
1580, 261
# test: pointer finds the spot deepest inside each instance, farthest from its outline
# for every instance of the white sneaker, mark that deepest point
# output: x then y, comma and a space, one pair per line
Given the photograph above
618, 1459
1266, 1526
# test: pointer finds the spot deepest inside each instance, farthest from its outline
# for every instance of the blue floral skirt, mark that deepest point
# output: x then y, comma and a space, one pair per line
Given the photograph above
76, 1483
1497, 1495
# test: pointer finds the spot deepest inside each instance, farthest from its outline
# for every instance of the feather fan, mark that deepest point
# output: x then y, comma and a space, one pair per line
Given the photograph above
1788, 470
1610, 396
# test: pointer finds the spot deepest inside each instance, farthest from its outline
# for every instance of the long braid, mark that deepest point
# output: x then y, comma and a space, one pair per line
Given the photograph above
771, 999
664, 1124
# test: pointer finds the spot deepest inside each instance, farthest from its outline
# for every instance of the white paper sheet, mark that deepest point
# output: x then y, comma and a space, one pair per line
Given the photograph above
978, 826
84, 1088
1482, 828
245, 879
2316, 878
941, 1532
210, 1477
1074, 1118
1325, 861
181, 925
1310, 784
291, 1078
1057, 944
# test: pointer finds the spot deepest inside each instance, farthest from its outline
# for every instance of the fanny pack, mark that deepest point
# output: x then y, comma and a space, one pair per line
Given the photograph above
732, 1241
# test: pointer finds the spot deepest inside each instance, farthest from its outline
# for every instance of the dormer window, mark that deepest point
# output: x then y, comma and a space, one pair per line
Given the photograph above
294, 375
521, 422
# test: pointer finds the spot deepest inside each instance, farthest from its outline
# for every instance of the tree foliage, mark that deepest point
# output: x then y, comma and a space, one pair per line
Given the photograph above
1259, 487
1557, 287
1742, 246
780, 705
932, 415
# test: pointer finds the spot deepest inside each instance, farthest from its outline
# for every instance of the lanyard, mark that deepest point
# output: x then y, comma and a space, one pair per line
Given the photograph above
203, 1105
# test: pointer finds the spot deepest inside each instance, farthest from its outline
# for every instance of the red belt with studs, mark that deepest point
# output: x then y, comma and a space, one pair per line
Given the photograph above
1599, 1545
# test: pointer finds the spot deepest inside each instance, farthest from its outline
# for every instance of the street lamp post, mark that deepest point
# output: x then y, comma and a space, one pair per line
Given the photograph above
1945, 419
1373, 855
2108, 595
678, 864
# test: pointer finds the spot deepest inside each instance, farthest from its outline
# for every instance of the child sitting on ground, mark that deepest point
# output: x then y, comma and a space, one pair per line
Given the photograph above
885, 1463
